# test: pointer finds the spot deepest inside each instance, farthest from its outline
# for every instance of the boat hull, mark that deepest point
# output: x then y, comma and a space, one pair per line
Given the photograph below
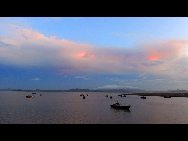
120, 107
30, 96
166, 96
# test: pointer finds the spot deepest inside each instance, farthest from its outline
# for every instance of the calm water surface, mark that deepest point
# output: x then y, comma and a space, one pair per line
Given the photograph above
71, 108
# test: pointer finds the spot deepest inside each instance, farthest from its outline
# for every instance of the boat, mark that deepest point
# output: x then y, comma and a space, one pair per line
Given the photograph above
81, 94
30, 96
118, 106
106, 96
33, 93
167, 96
143, 97
40, 94
124, 95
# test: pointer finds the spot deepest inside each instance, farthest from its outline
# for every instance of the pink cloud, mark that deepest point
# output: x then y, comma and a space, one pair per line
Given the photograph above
29, 47
27, 33
114, 58
92, 56
82, 54
163, 49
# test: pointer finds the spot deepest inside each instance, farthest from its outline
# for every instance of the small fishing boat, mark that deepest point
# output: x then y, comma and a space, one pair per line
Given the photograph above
167, 96
81, 94
143, 97
40, 94
118, 106
33, 93
106, 96
124, 95
30, 96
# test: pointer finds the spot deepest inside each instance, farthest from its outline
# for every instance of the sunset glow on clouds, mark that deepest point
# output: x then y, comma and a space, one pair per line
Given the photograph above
84, 54
22, 46
29, 47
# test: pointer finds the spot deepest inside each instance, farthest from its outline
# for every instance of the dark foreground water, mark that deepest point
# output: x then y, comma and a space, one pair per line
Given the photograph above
71, 108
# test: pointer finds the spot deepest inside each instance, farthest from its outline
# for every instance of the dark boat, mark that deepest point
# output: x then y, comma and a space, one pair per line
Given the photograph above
143, 97
124, 95
30, 96
167, 96
33, 93
117, 106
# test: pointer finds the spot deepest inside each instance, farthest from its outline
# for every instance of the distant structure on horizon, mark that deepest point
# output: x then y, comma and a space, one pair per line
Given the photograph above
127, 90
178, 91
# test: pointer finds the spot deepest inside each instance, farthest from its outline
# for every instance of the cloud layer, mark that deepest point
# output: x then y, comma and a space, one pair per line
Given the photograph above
28, 47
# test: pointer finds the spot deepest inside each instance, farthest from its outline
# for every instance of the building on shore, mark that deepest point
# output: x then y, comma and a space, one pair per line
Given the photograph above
178, 91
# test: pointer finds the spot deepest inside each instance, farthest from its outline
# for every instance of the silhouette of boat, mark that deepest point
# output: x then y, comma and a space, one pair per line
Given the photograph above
167, 96
143, 97
118, 106
30, 96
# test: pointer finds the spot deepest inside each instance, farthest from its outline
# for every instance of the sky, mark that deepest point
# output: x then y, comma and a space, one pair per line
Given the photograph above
149, 53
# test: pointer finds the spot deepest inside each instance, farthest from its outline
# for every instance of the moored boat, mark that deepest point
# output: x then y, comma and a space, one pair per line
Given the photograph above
143, 97
30, 96
167, 96
118, 106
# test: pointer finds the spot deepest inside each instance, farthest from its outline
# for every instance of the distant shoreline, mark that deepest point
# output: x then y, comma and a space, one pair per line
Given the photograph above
161, 94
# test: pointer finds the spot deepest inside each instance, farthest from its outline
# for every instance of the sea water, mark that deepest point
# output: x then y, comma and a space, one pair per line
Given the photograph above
71, 108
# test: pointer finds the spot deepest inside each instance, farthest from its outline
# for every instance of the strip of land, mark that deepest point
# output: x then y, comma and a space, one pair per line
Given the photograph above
161, 94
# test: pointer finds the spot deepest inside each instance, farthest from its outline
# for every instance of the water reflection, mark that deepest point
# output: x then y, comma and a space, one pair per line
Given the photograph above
71, 108
120, 110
